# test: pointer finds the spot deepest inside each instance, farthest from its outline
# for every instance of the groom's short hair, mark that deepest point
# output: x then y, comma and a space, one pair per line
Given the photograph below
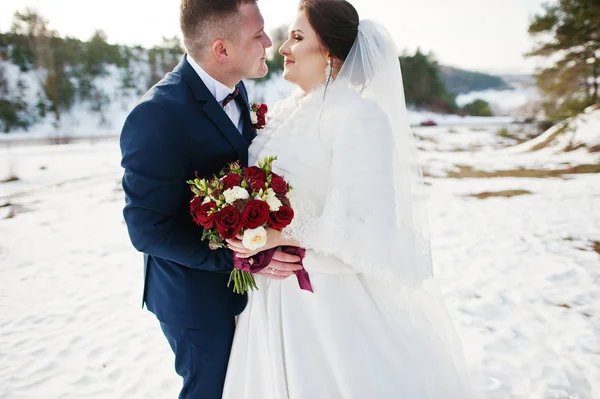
202, 21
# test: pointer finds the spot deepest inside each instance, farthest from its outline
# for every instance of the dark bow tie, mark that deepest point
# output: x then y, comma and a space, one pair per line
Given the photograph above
231, 96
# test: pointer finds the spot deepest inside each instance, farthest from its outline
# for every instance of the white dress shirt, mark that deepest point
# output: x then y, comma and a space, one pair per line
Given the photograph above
219, 92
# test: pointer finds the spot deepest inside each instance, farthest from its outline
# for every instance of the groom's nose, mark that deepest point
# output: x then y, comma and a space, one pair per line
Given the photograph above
268, 43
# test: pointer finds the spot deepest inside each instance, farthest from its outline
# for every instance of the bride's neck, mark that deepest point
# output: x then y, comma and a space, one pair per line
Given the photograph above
306, 91
310, 87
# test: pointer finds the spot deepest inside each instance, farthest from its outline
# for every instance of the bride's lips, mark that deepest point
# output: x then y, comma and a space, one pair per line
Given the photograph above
287, 62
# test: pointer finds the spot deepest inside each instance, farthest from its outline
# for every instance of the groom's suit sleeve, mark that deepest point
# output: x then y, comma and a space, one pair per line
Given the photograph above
155, 154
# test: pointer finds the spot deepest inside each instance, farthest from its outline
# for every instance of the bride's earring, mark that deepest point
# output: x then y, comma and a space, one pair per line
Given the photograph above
328, 71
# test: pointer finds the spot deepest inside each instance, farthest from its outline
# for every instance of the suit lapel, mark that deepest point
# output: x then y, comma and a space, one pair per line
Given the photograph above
213, 110
248, 132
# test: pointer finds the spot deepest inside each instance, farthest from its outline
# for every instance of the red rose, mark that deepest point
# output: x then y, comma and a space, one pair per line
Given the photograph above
227, 222
262, 109
231, 180
256, 214
262, 120
278, 184
195, 204
201, 213
282, 218
256, 177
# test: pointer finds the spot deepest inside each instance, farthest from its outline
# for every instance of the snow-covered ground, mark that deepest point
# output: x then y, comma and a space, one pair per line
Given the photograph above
565, 145
519, 274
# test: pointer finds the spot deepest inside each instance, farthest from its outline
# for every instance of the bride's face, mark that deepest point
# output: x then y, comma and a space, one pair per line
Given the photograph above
305, 57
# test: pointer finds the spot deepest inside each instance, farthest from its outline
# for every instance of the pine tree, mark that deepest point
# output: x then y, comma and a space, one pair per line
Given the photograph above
423, 83
570, 31
478, 107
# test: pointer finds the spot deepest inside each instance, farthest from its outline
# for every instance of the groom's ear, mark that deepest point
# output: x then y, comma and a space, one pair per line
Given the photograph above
220, 51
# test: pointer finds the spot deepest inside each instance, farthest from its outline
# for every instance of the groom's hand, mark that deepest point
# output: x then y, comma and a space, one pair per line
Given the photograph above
282, 266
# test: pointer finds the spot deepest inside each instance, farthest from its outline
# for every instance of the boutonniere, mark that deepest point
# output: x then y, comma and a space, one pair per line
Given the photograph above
258, 115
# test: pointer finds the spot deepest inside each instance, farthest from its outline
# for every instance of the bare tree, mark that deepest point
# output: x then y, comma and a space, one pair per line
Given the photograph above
33, 26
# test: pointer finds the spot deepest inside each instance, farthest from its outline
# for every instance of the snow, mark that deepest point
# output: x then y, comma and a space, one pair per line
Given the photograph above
583, 129
519, 275
70, 317
479, 146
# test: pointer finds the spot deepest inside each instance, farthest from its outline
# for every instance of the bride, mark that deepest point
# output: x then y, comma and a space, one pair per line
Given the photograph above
370, 329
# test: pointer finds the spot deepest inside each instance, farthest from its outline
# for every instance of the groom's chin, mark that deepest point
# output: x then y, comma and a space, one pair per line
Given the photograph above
261, 71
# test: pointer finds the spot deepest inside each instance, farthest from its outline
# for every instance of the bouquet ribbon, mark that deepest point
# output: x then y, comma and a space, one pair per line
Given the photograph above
256, 263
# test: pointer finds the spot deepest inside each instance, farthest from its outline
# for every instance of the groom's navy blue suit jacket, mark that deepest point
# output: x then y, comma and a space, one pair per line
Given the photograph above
176, 130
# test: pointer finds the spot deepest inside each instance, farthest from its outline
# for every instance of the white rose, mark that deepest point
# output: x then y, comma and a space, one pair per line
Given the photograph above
235, 193
255, 238
273, 201
254, 117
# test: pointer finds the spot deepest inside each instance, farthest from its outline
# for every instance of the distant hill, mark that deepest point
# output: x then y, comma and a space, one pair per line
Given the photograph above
519, 80
461, 81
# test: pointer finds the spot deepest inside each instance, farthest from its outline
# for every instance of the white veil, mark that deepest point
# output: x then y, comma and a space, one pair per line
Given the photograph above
372, 68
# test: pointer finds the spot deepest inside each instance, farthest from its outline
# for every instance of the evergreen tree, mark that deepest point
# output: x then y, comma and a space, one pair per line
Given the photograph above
478, 108
570, 31
423, 84
13, 109
164, 58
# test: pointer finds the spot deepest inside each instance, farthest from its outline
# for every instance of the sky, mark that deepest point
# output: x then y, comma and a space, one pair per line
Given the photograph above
481, 35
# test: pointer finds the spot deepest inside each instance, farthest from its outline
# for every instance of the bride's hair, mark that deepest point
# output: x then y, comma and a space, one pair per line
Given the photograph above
335, 23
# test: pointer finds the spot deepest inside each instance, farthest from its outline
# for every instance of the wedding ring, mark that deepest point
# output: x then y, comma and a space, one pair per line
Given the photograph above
272, 271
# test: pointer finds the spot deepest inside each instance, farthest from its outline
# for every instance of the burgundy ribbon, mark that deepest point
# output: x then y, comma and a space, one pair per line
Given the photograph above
262, 260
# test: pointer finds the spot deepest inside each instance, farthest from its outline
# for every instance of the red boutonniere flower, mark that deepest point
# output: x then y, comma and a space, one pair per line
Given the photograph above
258, 115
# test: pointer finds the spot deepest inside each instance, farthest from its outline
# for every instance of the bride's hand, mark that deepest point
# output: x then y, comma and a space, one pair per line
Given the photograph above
274, 239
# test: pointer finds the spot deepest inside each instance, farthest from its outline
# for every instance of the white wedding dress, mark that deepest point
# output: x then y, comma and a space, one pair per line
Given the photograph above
366, 331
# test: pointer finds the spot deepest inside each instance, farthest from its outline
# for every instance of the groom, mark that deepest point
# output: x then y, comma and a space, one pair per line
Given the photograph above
196, 119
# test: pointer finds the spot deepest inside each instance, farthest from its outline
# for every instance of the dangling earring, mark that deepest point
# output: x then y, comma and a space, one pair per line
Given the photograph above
328, 71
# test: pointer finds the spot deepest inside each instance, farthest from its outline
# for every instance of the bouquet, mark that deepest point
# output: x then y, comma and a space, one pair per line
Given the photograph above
244, 202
